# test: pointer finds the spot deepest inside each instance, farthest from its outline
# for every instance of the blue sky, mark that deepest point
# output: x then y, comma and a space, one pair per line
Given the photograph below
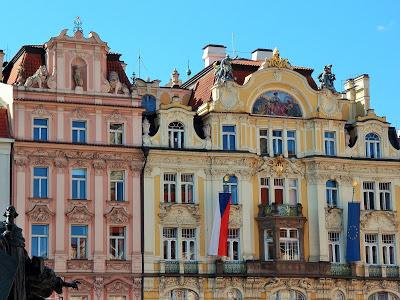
355, 36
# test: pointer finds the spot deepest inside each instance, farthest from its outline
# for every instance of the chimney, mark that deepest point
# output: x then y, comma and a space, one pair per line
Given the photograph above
261, 54
1, 64
212, 53
357, 90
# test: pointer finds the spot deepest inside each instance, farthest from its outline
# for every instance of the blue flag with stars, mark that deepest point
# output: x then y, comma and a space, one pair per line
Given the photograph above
353, 232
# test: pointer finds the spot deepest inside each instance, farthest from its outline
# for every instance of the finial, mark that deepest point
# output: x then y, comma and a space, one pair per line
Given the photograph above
133, 78
175, 78
188, 72
78, 24
275, 52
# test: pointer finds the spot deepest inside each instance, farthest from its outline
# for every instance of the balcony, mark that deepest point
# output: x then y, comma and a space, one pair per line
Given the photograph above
191, 267
341, 270
280, 210
230, 267
171, 267
375, 271
283, 268
179, 267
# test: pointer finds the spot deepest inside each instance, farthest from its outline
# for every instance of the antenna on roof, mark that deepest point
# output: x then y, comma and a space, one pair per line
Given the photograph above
233, 45
78, 24
139, 62
188, 72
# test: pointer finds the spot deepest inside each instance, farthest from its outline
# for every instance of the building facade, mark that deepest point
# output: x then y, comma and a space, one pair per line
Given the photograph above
293, 155
77, 163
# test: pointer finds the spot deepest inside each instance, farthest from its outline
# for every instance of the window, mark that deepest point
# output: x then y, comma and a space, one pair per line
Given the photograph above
40, 129
331, 193
117, 242
176, 132
234, 294
78, 298
339, 296
369, 195
78, 183
79, 132
292, 191
228, 137
277, 142
187, 188
182, 294
117, 185
371, 249
40, 182
334, 247
330, 143
149, 103
170, 242
383, 296
169, 188
189, 243
388, 249
264, 191
230, 184
291, 143
40, 240
263, 141
116, 298
385, 198
269, 244
372, 146
79, 241
116, 133
289, 244
288, 295
233, 244
279, 184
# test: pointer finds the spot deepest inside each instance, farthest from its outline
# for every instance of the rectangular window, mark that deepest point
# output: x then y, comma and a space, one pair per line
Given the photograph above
117, 242
371, 249
40, 240
79, 235
269, 244
279, 184
79, 132
79, 298
233, 245
334, 247
263, 141
289, 244
78, 183
40, 129
187, 188
330, 143
369, 195
116, 298
388, 249
264, 190
331, 193
228, 137
170, 243
385, 198
291, 143
40, 182
116, 133
293, 192
277, 142
117, 182
189, 243
169, 188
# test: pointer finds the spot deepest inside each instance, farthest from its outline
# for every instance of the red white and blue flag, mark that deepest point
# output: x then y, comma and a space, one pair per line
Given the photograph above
219, 235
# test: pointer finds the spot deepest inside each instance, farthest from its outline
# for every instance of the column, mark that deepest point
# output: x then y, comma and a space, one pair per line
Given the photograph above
323, 233
58, 194
60, 124
136, 222
285, 148
247, 235
270, 143
20, 195
98, 203
313, 222
149, 221
98, 126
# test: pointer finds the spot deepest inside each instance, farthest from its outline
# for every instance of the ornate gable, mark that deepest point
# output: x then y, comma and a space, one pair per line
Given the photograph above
79, 214
179, 214
40, 213
117, 215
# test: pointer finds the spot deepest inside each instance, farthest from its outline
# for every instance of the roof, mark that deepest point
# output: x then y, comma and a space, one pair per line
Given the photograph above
202, 82
4, 125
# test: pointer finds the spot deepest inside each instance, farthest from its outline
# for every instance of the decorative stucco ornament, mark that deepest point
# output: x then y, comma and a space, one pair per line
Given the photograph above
327, 79
52, 80
116, 85
77, 76
276, 61
38, 79
223, 72
146, 133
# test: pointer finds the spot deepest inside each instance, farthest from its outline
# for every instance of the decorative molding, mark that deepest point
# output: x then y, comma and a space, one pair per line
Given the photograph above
79, 113
117, 215
80, 265
98, 286
40, 214
333, 219
235, 216
279, 166
80, 215
116, 116
179, 214
118, 286
41, 111
376, 220
118, 265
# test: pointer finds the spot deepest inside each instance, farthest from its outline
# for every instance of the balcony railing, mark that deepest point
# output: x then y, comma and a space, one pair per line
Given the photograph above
341, 270
375, 271
284, 210
392, 271
171, 267
231, 267
190, 267
286, 267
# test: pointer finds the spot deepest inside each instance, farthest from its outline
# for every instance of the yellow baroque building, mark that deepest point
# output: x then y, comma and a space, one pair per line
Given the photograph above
293, 155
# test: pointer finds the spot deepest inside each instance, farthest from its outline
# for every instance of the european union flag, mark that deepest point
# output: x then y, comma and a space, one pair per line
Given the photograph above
353, 232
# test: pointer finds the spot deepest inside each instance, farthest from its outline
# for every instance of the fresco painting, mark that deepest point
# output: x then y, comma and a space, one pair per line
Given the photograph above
277, 103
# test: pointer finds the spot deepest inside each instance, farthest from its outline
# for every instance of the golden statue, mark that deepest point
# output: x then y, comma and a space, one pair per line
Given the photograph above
276, 61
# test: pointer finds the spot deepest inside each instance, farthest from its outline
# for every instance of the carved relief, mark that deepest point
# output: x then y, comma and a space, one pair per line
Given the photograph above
115, 265
235, 216
169, 283
333, 219
80, 215
179, 214
41, 111
116, 116
327, 103
79, 113
40, 213
98, 286
80, 265
117, 215
280, 166
374, 220
118, 286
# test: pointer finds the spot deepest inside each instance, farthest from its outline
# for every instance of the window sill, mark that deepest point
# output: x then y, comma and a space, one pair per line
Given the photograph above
117, 203
40, 200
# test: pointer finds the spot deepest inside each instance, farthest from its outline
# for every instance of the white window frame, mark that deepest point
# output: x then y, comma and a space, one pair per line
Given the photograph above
170, 179
291, 245
330, 143
115, 183
376, 145
114, 240
186, 183
367, 196
265, 183
294, 188
168, 238
40, 237
369, 245
79, 237
268, 239
40, 178
79, 130
188, 238
275, 142
263, 136
388, 242
385, 192
40, 127
228, 134
115, 132
233, 238
178, 128
279, 184
334, 247
293, 138
78, 184
330, 192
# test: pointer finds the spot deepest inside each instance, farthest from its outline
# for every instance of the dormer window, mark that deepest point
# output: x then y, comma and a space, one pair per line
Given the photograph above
372, 145
176, 132
149, 103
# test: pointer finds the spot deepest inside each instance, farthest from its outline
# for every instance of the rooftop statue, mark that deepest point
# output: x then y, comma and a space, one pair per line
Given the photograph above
23, 278
327, 79
276, 61
223, 71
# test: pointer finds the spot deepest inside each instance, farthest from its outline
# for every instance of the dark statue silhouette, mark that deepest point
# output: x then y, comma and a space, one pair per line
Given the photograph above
21, 277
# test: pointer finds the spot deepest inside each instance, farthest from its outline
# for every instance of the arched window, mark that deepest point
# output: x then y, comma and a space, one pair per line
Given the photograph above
383, 296
331, 193
230, 184
288, 295
183, 294
339, 296
234, 294
149, 103
176, 132
372, 145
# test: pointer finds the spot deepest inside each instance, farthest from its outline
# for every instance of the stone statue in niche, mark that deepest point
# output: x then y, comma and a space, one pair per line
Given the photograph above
207, 131
116, 85
223, 71
77, 76
146, 133
38, 79
327, 79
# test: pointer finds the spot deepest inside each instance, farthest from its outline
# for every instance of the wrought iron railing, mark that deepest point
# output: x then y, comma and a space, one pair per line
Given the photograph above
171, 266
191, 267
392, 271
375, 271
285, 210
234, 267
340, 270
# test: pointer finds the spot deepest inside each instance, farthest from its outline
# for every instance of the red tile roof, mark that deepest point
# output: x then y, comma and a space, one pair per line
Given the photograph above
115, 64
4, 126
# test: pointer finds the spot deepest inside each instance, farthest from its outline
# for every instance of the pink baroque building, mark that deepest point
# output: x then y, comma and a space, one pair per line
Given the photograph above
77, 162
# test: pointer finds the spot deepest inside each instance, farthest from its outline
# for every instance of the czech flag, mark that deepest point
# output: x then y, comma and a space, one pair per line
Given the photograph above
219, 235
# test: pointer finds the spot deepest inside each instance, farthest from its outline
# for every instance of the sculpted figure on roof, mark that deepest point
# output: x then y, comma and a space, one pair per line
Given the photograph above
38, 79
327, 79
276, 61
223, 71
